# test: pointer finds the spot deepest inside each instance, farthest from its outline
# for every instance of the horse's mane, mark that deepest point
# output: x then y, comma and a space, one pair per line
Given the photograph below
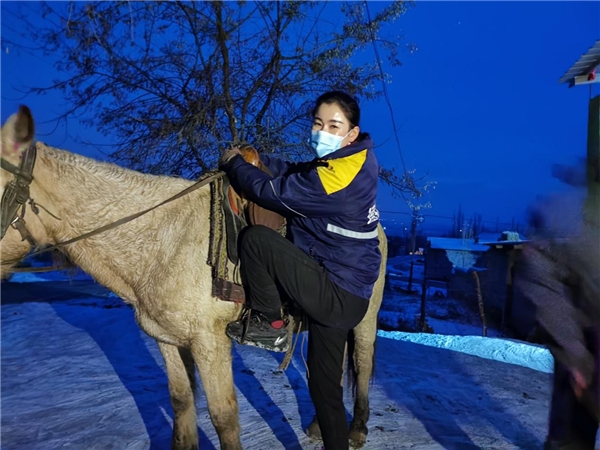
64, 162
94, 193
107, 179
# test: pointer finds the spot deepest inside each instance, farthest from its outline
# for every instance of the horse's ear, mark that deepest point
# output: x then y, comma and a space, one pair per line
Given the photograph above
17, 133
24, 126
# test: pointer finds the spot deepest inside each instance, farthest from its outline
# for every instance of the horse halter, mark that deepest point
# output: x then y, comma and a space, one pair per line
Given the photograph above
16, 195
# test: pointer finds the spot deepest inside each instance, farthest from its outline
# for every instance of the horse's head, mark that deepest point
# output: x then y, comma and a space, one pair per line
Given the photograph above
16, 138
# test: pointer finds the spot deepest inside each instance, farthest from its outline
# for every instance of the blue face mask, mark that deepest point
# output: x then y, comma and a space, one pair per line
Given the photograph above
324, 143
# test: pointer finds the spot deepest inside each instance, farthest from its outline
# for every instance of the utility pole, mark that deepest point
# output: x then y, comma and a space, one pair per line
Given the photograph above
413, 232
593, 164
416, 219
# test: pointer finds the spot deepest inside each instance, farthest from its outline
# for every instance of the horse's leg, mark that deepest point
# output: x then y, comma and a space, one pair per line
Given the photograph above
364, 351
212, 354
314, 430
180, 370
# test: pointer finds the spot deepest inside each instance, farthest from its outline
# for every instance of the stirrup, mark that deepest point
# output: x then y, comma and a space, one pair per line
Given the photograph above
245, 319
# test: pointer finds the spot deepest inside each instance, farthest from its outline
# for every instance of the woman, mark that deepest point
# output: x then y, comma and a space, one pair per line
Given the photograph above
330, 259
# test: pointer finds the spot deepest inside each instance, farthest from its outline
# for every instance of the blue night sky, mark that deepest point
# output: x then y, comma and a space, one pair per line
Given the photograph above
478, 104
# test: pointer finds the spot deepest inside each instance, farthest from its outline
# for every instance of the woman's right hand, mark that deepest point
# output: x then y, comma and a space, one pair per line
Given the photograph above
228, 155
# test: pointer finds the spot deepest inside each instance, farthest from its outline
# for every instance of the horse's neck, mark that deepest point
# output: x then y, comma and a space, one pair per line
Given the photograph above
90, 193
87, 194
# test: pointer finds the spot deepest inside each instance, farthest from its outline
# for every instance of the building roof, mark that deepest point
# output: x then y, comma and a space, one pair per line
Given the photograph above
502, 244
580, 72
468, 245
487, 238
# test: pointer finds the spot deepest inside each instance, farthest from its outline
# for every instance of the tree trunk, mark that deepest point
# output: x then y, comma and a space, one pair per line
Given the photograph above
480, 303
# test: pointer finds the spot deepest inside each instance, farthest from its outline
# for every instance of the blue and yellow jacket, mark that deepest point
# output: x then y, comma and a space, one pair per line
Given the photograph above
330, 208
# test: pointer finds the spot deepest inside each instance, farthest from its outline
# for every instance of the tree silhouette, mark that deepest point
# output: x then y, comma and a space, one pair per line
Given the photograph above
173, 83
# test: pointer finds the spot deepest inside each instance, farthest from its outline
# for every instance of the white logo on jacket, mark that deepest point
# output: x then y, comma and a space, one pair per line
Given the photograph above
373, 215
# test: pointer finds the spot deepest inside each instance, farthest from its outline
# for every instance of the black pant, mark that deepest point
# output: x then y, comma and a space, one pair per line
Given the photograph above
272, 267
573, 426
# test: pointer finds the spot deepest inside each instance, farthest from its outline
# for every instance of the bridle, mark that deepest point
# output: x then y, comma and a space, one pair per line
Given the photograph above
16, 195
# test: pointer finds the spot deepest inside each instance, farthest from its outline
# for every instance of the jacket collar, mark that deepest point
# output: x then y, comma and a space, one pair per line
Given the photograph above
350, 149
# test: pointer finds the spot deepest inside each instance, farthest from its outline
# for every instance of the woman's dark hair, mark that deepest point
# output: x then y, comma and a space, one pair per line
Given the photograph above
347, 104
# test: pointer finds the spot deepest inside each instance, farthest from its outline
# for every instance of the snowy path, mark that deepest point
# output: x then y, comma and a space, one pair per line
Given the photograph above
79, 374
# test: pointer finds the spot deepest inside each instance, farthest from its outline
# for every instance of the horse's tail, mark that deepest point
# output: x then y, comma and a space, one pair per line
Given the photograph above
367, 328
351, 369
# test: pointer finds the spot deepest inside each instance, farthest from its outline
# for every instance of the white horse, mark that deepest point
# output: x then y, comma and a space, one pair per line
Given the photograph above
157, 264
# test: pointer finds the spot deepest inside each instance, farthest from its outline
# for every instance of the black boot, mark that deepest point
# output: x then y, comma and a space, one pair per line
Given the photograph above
255, 329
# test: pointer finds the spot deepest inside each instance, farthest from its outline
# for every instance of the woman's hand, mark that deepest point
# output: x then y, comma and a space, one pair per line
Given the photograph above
579, 382
228, 155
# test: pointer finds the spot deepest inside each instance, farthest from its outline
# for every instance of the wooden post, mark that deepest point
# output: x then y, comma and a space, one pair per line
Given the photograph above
480, 303
508, 302
422, 319
410, 275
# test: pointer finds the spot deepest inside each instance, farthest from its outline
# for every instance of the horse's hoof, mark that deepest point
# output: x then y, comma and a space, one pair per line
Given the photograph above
314, 431
179, 446
357, 438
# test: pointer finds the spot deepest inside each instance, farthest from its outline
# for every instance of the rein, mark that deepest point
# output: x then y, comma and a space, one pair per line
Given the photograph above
16, 195
202, 182
40, 269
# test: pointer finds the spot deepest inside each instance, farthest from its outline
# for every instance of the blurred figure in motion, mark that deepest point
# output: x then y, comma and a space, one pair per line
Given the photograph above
563, 282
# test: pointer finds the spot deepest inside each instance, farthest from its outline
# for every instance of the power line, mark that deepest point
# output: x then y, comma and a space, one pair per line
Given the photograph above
444, 217
385, 91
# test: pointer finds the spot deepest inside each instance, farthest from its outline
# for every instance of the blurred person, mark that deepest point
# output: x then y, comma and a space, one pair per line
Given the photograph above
563, 282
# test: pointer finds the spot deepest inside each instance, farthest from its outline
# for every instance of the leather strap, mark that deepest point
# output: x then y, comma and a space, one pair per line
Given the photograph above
16, 192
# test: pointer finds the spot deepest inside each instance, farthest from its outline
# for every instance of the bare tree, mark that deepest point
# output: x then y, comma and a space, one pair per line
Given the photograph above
412, 190
174, 82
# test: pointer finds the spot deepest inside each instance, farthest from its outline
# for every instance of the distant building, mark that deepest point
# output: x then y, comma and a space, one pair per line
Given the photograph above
398, 245
496, 258
447, 255
503, 262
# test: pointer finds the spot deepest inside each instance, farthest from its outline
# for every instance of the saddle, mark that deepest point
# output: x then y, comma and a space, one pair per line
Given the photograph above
231, 214
240, 212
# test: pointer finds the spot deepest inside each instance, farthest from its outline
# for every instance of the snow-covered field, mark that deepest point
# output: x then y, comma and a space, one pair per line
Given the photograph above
401, 309
80, 374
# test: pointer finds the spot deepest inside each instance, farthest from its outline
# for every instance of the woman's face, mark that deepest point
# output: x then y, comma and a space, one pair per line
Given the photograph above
331, 119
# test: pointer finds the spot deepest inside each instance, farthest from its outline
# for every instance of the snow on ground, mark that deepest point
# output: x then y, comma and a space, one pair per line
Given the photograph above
400, 265
56, 275
80, 374
512, 352
26, 277
401, 309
